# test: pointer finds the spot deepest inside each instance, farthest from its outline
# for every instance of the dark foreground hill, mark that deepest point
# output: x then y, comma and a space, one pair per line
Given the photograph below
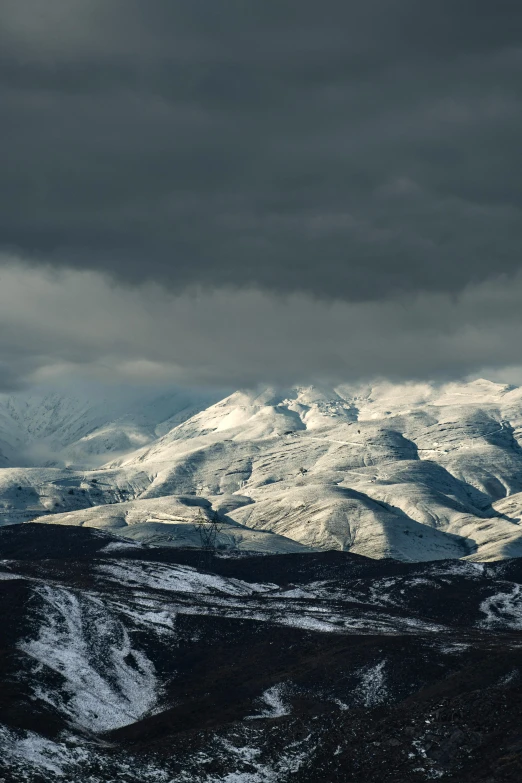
126, 663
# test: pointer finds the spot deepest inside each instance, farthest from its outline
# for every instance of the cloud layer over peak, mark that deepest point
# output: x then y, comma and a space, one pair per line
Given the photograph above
233, 193
79, 325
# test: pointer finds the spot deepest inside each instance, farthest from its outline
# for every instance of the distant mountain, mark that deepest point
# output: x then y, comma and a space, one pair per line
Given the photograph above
411, 471
49, 428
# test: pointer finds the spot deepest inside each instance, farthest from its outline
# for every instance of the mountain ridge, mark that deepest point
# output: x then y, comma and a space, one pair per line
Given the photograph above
411, 471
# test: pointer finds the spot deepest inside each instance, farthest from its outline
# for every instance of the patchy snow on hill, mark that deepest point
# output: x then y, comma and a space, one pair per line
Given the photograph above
137, 663
108, 683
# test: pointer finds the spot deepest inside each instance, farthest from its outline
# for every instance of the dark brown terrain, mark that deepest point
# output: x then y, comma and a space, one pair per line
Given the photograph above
133, 663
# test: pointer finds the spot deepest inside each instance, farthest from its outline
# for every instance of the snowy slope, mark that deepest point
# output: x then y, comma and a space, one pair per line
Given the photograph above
170, 521
45, 427
413, 471
26, 493
406, 471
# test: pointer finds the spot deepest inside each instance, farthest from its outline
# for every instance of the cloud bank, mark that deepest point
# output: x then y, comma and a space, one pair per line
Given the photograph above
227, 192
81, 325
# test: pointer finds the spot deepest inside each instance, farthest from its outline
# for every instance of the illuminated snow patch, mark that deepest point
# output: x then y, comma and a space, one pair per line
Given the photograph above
372, 689
116, 546
33, 751
454, 648
503, 610
458, 568
510, 678
178, 579
30, 757
108, 684
276, 707
147, 614
257, 771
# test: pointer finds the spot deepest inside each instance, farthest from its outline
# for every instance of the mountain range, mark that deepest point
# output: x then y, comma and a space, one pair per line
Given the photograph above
300, 648
406, 471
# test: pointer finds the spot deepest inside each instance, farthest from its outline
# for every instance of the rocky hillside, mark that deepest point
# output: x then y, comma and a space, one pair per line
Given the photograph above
123, 662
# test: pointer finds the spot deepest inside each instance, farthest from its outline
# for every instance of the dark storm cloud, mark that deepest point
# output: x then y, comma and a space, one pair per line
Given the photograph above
340, 148
71, 325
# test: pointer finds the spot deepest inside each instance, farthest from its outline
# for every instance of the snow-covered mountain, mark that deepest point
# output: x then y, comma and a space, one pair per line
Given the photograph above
46, 427
412, 471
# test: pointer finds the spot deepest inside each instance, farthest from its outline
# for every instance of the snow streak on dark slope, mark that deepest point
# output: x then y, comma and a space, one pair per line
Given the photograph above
127, 663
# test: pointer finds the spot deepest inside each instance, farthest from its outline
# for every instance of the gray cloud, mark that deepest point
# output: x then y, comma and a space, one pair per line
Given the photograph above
78, 326
336, 149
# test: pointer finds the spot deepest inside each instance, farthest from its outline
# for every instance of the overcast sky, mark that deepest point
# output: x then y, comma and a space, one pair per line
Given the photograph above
248, 191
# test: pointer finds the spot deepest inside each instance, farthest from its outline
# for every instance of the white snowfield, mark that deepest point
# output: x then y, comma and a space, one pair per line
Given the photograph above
411, 471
